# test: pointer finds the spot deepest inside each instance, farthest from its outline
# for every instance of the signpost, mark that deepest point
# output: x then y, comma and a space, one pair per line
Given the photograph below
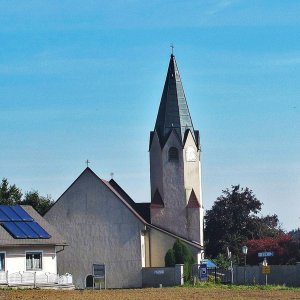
266, 269
203, 275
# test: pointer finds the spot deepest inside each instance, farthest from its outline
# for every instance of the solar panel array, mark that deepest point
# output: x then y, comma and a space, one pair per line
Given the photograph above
20, 224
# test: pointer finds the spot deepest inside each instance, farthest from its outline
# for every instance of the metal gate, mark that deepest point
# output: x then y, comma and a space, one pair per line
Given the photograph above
217, 275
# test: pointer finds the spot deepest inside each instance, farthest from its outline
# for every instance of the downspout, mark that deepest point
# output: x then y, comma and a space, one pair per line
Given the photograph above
149, 231
63, 248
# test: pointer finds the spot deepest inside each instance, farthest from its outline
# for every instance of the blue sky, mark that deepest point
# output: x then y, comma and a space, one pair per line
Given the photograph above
83, 79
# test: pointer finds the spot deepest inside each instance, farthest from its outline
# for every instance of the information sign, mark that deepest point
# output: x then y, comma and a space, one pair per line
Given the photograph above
98, 270
265, 254
203, 275
266, 269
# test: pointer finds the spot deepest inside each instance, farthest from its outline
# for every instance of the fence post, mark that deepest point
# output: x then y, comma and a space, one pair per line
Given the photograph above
179, 279
6, 277
34, 279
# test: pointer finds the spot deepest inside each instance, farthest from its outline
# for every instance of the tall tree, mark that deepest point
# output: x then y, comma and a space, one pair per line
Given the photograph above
9, 194
233, 220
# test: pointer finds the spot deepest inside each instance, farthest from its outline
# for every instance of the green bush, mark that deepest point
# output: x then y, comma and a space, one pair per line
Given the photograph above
180, 254
170, 258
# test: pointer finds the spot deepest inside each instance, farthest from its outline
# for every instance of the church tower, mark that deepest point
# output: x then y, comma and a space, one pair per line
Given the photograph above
175, 166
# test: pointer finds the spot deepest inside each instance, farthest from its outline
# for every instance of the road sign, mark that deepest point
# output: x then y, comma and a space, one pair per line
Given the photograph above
266, 269
203, 275
265, 254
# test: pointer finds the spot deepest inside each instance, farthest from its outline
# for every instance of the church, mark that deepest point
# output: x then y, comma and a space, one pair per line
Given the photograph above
109, 235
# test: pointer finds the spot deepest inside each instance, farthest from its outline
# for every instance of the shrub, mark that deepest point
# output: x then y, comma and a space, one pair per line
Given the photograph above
170, 258
180, 254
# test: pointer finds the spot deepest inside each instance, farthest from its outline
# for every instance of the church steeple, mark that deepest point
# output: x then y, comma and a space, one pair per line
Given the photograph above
173, 113
175, 165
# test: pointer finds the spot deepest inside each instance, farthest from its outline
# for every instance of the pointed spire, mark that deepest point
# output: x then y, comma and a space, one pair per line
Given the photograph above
173, 113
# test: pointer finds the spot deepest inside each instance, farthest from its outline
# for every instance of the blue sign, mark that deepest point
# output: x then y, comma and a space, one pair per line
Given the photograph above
265, 254
203, 275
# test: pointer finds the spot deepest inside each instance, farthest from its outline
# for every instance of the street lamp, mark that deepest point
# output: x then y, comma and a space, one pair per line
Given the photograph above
245, 251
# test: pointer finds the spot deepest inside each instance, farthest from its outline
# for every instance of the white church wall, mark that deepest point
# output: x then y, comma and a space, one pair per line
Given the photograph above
173, 190
100, 229
160, 244
156, 166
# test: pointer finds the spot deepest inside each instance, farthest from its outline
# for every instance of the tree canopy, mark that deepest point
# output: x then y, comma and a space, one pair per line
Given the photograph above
233, 220
11, 195
285, 249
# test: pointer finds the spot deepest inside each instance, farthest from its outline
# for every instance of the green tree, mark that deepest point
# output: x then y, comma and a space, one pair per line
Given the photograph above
222, 261
9, 194
170, 258
180, 254
233, 220
40, 203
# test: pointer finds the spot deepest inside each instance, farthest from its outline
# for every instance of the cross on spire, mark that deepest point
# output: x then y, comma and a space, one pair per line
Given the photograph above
87, 163
172, 47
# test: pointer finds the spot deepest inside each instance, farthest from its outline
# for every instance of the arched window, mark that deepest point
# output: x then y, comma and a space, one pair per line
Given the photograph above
173, 154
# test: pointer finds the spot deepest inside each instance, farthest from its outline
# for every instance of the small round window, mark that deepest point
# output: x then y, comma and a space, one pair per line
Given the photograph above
173, 154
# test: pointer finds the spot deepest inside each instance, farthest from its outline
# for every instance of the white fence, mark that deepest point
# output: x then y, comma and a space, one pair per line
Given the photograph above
34, 279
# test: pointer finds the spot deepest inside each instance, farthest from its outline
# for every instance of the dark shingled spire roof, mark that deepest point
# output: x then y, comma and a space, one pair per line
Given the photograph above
173, 111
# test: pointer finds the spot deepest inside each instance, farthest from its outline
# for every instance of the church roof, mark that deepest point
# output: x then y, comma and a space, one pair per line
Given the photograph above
173, 113
143, 209
140, 210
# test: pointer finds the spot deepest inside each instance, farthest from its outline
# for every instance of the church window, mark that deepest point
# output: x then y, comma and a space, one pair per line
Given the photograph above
173, 154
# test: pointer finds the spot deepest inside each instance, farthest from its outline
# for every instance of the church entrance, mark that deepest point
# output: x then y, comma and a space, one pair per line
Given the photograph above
89, 282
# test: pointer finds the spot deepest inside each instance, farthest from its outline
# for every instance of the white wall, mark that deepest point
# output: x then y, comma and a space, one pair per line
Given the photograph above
99, 229
15, 258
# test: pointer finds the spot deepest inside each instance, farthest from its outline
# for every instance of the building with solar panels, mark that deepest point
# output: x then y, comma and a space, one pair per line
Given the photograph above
111, 238
28, 243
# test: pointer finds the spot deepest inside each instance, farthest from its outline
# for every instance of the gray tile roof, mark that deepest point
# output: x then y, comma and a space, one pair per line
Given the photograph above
56, 239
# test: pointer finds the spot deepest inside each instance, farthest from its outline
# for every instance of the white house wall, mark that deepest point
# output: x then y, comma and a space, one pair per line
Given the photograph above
15, 258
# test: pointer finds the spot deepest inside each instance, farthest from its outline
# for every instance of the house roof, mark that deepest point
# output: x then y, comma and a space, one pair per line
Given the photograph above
7, 239
173, 113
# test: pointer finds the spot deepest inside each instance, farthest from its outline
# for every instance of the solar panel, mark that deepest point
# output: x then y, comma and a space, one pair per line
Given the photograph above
20, 224
14, 230
30, 233
43, 234
3, 217
7, 210
21, 212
